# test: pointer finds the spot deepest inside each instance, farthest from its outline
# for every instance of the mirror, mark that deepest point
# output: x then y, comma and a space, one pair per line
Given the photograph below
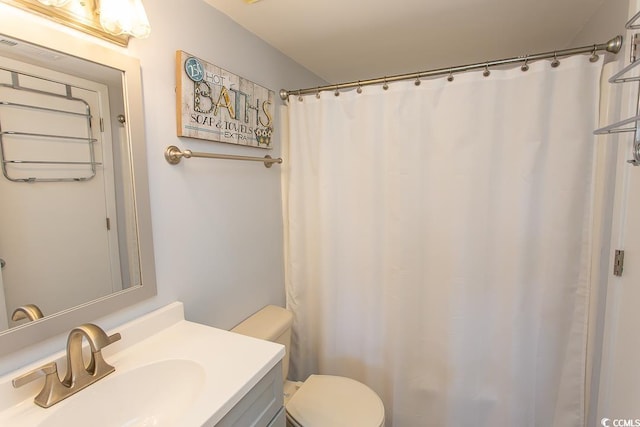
70, 159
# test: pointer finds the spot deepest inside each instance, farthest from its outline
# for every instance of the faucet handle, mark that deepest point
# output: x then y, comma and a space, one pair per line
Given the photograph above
113, 338
44, 370
98, 366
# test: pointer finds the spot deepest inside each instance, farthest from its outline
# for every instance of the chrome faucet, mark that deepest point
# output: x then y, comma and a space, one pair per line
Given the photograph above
78, 374
28, 311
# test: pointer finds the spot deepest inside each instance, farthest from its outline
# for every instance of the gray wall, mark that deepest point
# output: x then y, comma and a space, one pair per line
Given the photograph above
217, 224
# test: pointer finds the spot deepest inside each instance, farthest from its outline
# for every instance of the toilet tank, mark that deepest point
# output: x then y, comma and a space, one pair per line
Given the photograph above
273, 324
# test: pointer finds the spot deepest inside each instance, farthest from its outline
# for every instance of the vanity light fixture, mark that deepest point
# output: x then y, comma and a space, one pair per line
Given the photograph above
120, 18
124, 17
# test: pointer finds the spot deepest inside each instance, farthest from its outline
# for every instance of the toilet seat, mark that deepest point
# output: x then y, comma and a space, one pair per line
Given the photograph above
326, 400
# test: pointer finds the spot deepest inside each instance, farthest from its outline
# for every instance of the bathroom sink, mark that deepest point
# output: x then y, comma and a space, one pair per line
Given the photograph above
168, 372
151, 395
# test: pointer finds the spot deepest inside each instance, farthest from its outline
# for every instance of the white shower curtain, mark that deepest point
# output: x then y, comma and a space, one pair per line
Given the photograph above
438, 240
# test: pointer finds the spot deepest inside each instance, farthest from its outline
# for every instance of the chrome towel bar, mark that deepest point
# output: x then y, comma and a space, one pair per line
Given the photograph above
173, 155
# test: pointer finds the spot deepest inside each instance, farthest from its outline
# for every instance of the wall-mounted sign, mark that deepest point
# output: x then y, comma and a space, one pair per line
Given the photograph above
217, 105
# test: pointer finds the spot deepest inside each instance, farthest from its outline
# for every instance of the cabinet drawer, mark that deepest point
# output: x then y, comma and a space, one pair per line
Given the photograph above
260, 405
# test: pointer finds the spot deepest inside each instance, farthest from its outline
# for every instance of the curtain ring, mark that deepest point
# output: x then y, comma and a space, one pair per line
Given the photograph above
418, 82
450, 77
337, 92
525, 66
486, 72
300, 98
385, 86
318, 92
555, 63
594, 56
359, 90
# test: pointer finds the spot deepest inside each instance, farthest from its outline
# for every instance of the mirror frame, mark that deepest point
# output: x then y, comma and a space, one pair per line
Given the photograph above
33, 29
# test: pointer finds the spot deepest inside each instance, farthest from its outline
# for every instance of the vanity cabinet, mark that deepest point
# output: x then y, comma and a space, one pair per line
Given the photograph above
262, 406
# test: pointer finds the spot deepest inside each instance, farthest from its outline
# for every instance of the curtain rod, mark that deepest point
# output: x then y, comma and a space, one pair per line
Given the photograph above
614, 45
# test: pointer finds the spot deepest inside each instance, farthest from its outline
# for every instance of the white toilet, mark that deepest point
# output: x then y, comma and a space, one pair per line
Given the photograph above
321, 400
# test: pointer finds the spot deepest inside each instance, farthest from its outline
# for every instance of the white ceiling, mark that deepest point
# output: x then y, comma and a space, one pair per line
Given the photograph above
348, 40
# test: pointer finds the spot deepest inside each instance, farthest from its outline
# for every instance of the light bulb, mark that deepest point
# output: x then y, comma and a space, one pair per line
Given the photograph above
124, 17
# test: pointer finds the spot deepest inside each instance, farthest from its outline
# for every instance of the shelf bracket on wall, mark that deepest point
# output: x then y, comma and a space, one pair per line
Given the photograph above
617, 126
631, 23
630, 124
619, 76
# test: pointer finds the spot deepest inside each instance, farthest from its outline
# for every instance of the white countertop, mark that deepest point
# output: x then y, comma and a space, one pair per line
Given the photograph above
232, 365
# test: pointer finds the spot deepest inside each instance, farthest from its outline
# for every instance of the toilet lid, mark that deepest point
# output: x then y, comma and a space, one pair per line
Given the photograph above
325, 400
